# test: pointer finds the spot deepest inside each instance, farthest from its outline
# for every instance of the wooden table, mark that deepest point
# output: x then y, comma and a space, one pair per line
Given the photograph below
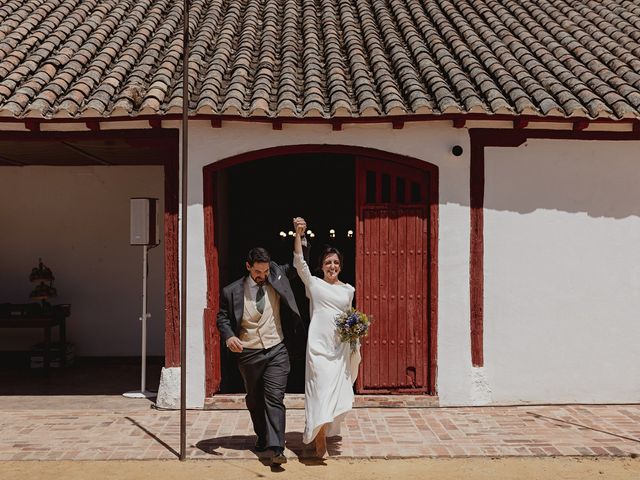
46, 321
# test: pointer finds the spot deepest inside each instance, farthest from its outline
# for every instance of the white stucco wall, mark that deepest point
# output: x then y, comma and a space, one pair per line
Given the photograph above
561, 229
428, 141
77, 220
562, 272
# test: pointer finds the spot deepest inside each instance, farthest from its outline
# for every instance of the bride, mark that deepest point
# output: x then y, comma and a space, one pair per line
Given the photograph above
331, 366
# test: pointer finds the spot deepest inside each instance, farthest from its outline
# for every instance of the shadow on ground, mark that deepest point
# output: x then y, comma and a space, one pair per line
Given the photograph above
293, 440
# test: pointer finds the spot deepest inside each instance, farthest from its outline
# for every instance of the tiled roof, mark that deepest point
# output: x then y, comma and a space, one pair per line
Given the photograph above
321, 58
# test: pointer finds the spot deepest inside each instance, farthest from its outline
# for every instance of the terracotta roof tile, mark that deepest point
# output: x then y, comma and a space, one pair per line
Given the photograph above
328, 58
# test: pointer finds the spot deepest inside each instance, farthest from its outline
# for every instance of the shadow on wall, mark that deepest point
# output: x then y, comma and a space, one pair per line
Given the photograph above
595, 177
598, 178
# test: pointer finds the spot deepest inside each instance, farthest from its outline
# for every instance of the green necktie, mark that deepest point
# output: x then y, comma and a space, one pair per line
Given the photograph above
260, 299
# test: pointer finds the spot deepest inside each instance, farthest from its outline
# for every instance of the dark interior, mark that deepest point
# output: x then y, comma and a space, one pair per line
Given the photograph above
258, 200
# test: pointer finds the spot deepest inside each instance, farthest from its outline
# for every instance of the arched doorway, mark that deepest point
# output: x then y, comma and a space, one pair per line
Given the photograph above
390, 205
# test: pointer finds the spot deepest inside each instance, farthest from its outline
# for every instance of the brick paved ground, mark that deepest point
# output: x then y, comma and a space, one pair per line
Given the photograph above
125, 430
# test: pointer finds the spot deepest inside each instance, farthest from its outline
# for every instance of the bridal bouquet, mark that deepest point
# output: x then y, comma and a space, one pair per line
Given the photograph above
351, 325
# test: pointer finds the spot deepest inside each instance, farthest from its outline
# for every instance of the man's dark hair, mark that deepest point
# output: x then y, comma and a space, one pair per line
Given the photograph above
328, 250
259, 255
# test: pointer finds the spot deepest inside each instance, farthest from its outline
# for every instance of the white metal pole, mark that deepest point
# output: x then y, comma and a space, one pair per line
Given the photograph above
143, 375
143, 380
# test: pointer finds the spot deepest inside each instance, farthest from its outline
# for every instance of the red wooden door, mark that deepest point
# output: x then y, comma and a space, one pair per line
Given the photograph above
392, 275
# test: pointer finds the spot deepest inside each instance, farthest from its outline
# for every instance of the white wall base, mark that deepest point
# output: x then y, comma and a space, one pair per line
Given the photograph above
169, 389
480, 387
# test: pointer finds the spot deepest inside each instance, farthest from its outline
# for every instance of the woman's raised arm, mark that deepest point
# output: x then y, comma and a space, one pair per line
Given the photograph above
298, 260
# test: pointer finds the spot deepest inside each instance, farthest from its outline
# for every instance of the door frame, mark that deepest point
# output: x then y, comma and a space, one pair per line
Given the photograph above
211, 335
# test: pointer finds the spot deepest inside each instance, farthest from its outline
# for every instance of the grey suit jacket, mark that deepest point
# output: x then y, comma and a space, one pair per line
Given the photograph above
232, 305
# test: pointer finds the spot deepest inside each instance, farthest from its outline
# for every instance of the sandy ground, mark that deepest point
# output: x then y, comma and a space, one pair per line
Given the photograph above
405, 469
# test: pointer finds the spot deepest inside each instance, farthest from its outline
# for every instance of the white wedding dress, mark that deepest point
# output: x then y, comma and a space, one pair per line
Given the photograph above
331, 366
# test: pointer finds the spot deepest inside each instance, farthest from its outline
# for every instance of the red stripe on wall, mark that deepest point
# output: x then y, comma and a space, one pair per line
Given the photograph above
171, 288
476, 259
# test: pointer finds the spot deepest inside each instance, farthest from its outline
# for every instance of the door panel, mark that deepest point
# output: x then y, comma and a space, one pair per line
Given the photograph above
392, 281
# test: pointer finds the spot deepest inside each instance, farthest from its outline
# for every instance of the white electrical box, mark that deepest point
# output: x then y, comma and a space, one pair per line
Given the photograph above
144, 224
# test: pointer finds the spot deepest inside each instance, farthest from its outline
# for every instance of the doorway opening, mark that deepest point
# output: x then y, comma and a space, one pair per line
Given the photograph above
383, 210
70, 192
255, 203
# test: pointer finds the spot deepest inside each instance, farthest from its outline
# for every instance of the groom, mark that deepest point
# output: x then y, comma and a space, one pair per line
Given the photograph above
258, 319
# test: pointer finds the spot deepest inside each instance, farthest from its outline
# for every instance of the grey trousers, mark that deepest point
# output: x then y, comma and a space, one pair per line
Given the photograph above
265, 373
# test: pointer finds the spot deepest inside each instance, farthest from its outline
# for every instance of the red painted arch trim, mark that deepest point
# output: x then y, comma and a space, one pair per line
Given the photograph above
434, 219
313, 148
213, 372
481, 138
212, 345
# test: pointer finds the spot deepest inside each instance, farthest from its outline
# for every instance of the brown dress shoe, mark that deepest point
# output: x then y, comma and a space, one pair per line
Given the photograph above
278, 457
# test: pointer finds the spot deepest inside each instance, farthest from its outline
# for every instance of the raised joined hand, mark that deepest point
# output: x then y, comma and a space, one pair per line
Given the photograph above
300, 226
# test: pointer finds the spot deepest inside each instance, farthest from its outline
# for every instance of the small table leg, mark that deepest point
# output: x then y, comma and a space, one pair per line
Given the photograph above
46, 354
63, 343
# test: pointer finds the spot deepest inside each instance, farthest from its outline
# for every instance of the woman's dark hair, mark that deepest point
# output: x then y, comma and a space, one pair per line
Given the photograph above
326, 251
259, 255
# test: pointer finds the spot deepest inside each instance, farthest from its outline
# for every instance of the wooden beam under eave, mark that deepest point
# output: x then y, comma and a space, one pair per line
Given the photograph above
32, 125
580, 125
336, 125
277, 125
397, 124
216, 123
155, 123
13, 163
520, 123
459, 122
85, 153
93, 125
